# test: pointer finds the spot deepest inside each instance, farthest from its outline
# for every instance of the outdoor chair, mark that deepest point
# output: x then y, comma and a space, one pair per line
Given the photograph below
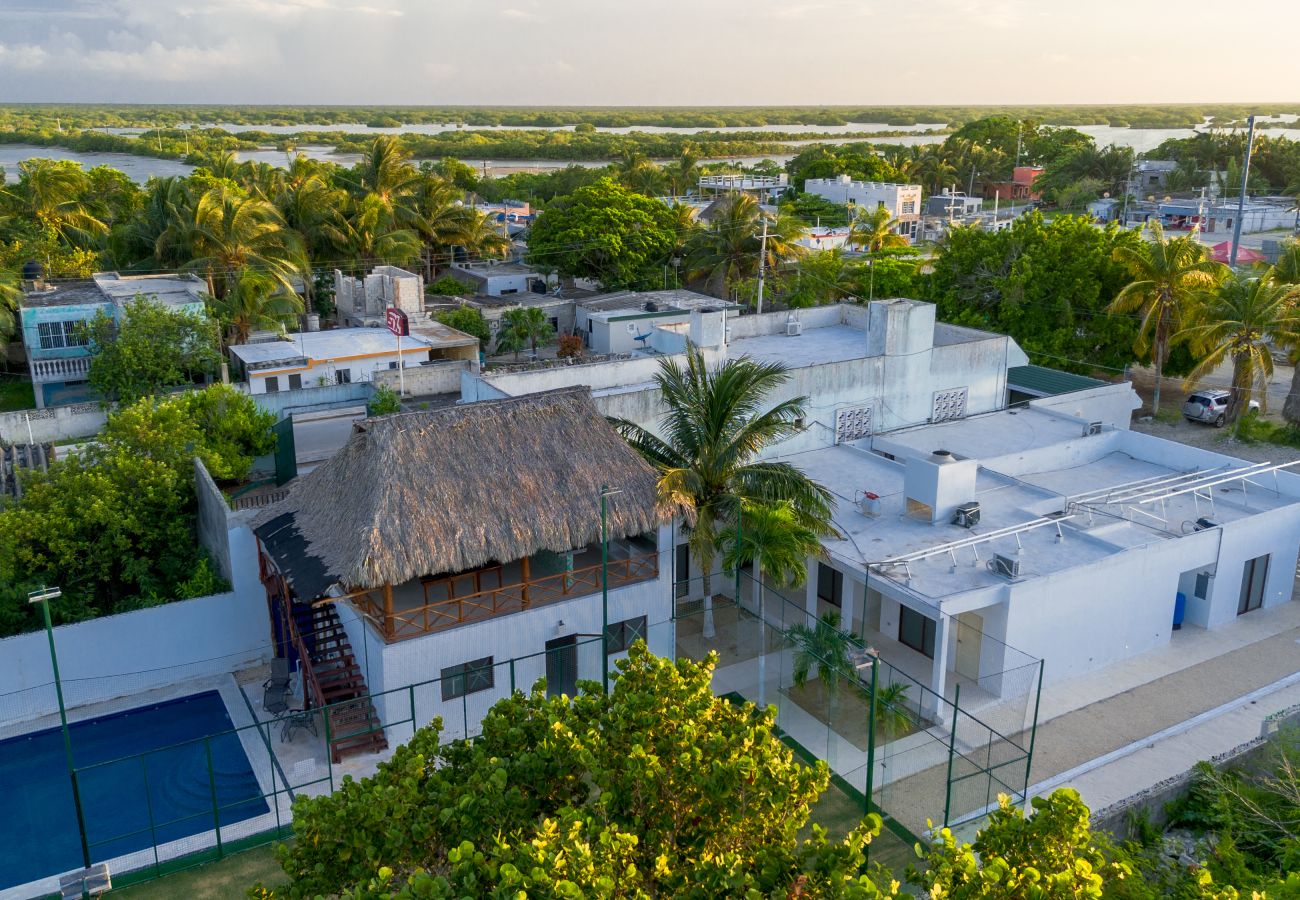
275, 690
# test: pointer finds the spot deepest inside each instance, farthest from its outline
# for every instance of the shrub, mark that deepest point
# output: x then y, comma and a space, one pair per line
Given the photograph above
570, 346
383, 401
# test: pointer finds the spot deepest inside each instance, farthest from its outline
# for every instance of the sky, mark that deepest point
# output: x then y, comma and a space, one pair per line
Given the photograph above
655, 52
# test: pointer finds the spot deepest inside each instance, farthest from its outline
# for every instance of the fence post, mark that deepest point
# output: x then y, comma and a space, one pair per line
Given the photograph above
1033, 734
148, 805
410, 690
952, 746
329, 750
212, 786
512, 675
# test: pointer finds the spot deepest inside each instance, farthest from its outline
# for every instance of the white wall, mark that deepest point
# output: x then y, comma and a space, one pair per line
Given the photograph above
1112, 404
360, 369
52, 424
116, 656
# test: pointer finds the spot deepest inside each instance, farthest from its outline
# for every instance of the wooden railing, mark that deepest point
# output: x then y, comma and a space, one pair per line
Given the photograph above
486, 604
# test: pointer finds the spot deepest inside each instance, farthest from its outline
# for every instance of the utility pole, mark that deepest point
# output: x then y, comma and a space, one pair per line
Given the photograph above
762, 265
1241, 199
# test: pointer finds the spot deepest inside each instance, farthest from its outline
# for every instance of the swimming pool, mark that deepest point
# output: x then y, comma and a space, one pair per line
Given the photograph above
144, 779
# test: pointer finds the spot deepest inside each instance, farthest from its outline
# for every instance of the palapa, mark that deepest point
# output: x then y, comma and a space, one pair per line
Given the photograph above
427, 493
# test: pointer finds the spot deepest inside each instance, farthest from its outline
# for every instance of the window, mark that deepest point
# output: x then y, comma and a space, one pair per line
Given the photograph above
909, 207
1202, 589
507, 291
468, 678
343, 376
57, 335
272, 383
916, 631
622, 635
683, 570
295, 382
830, 584
1253, 577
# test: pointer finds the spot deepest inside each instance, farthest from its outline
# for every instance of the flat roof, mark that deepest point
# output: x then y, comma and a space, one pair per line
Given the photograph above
332, 344
1032, 465
505, 268
110, 287
613, 307
833, 343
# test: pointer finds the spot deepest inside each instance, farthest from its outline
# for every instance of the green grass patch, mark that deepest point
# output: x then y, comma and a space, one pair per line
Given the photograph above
1254, 429
16, 394
219, 880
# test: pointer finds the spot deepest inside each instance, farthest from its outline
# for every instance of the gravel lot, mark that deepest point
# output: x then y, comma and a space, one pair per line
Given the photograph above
1219, 440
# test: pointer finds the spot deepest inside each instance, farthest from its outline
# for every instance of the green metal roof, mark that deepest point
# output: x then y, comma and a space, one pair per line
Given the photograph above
1047, 382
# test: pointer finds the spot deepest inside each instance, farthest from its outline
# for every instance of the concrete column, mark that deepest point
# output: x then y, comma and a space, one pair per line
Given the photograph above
939, 673
847, 590
810, 603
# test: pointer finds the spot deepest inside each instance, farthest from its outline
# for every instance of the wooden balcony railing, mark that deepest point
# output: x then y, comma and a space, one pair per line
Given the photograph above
482, 604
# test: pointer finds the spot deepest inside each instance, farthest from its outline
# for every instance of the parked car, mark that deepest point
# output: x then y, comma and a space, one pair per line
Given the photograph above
1210, 407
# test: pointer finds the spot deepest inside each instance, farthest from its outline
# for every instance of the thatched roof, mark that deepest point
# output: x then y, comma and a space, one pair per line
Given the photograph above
426, 493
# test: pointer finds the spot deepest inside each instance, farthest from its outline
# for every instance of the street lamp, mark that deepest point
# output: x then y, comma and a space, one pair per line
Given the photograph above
860, 659
43, 596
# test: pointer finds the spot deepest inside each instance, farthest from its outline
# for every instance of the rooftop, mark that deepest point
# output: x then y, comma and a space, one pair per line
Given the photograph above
609, 306
111, 287
1035, 468
488, 269
333, 344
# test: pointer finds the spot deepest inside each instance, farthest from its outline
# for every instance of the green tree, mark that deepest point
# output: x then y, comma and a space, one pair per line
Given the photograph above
727, 252
777, 542
716, 428
233, 232
152, 349
606, 233
875, 230
52, 194
256, 302
524, 326
383, 401
468, 319
1169, 276
592, 797
1240, 323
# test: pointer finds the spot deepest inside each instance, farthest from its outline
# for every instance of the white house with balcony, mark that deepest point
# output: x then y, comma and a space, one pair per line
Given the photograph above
902, 200
53, 317
459, 551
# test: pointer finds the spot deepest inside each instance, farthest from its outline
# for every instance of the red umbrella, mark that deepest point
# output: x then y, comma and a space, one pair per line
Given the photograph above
1223, 253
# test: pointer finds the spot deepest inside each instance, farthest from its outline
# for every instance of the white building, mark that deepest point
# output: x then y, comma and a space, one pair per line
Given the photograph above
343, 356
902, 200
442, 558
823, 238
498, 279
628, 321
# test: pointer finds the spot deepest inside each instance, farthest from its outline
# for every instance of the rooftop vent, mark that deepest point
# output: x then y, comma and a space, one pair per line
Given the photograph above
942, 456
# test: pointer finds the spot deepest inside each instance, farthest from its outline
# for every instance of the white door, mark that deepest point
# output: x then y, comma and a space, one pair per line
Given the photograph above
970, 631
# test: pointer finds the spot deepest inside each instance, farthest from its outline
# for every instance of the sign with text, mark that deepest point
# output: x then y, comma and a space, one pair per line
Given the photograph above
397, 321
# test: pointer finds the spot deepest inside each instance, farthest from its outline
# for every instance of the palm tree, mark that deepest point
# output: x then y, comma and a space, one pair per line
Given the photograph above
875, 231
823, 647
1239, 322
1169, 276
892, 717
51, 193
777, 542
232, 232
369, 234
727, 251
385, 172
715, 428
524, 325
256, 302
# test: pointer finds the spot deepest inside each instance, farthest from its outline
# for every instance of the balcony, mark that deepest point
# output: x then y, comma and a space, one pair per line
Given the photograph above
437, 603
74, 368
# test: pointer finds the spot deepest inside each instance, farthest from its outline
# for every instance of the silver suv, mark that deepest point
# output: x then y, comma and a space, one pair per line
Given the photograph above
1210, 407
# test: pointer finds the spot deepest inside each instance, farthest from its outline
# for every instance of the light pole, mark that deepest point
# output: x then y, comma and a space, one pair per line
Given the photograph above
861, 659
43, 597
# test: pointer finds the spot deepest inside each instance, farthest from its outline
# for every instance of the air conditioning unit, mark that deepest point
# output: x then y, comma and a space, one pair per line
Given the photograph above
793, 329
1005, 565
1203, 523
967, 515
1091, 428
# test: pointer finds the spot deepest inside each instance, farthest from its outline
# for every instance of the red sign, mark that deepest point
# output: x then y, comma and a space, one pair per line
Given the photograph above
397, 322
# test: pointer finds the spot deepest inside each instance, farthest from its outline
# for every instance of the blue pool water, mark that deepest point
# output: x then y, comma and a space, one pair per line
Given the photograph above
143, 776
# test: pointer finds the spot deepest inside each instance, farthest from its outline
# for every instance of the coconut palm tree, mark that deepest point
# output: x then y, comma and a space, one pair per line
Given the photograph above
727, 251
232, 232
385, 172
51, 194
776, 542
524, 326
892, 718
875, 231
256, 302
1239, 322
826, 649
1169, 276
369, 234
716, 427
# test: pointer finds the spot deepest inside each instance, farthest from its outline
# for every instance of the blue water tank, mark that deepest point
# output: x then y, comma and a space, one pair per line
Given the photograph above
1180, 609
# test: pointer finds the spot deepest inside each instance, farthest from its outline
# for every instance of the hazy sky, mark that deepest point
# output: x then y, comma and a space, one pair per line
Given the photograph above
660, 52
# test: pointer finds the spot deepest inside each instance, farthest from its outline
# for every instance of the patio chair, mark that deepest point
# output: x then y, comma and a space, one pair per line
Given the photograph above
275, 690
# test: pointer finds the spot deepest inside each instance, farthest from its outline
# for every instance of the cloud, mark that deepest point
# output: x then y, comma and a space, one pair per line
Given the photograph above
518, 14
23, 56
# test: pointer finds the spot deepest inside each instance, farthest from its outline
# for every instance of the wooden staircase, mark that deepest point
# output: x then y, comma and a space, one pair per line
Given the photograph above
334, 681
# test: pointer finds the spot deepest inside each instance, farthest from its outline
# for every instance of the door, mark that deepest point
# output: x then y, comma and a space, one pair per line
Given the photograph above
1253, 577
970, 634
562, 666
682, 570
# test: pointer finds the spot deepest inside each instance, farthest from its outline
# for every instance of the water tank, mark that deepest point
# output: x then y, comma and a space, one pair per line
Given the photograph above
311, 322
33, 270
1180, 609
